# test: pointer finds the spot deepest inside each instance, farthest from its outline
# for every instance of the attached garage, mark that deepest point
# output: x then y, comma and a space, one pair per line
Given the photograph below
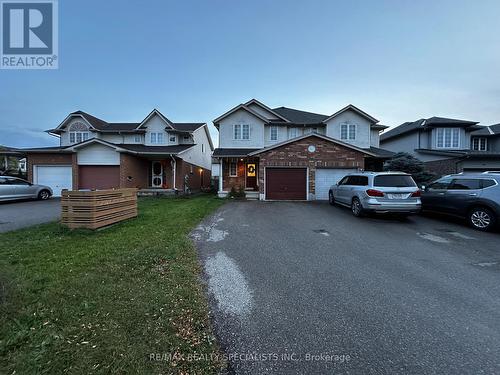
98, 176
56, 177
286, 183
326, 177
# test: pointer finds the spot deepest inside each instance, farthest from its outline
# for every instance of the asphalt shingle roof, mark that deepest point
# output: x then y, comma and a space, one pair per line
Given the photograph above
233, 152
300, 117
488, 130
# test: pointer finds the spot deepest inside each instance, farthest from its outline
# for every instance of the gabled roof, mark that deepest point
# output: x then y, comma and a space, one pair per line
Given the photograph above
238, 107
159, 114
262, 105
351, 107
425, 124
326, 138
487, 131
187, 126
300, 117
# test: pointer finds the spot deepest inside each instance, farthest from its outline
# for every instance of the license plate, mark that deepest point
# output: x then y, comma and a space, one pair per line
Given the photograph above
397, 196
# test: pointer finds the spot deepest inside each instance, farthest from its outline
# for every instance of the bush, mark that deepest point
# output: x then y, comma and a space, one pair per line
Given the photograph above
405, 162
238, 194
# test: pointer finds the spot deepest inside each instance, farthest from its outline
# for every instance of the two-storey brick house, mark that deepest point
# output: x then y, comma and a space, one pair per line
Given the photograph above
155, 153
289, 154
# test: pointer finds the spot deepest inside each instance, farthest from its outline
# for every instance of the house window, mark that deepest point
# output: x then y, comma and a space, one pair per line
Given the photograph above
448, 138
348, 132
137, 138
153, 138
274, 133
241, 132
172, 139
293, 133
233, 170
159, 137
77, 137
156, 138
479, 144
202, 148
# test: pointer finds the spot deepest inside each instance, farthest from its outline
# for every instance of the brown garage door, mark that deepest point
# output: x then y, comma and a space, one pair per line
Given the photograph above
286, 183
98, 176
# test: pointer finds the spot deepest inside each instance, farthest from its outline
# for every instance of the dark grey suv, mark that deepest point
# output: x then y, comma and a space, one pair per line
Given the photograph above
474, 196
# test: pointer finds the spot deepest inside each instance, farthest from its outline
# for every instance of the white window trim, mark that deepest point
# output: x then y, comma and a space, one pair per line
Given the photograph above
235, 169
348, 131
294, 130
479, 139
451, 138
75, 135
169, 138
271, 133
242, 132
137, 138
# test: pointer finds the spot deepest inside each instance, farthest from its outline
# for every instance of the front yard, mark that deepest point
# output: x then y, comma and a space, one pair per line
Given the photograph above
106, 301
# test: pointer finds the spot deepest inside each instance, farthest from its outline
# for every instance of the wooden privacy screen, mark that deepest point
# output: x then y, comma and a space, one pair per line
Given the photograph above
97, 209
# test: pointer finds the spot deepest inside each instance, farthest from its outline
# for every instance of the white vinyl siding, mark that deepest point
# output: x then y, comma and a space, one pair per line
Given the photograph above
97, 154
448, 138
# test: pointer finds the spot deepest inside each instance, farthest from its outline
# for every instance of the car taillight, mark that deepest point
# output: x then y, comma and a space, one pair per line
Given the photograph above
374, 193
416, 194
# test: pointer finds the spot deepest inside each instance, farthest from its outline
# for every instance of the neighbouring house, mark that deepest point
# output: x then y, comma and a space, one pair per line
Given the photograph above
447, 145
155, 153
11, 161
289, 154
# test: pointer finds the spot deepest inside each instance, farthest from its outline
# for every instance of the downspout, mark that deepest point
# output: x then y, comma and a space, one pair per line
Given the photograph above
174, 164
220, 175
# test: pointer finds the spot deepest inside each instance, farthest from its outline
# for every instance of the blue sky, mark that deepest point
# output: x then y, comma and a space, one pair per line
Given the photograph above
193, 60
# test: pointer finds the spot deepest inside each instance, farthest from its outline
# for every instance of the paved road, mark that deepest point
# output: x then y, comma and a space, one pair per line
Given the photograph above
20, 214
287, 281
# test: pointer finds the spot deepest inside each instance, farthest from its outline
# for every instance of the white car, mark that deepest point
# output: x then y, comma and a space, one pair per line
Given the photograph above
12, 188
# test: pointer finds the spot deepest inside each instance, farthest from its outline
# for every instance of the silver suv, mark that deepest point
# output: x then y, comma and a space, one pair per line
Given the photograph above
474, 196
379, 192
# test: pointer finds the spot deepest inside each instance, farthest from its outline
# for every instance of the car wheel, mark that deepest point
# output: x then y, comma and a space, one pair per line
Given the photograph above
356, 207
331, 199
482, 218
44, 195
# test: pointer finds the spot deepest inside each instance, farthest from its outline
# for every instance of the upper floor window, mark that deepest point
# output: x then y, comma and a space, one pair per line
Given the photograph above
241, 131
479, 144
77, 137
137, 138
447, 137
156, 138
293, 132
172, 138
202, 148
274, 133
347, 131
78, 132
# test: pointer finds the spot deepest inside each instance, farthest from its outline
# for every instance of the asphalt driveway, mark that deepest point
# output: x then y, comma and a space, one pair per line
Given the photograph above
308, 288
20, 214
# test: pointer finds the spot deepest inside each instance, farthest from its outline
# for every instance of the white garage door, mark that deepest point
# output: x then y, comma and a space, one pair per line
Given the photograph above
56, 177
326, 178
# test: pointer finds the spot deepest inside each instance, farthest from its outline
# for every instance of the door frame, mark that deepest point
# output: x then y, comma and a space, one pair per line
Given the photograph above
256, 175
288, 167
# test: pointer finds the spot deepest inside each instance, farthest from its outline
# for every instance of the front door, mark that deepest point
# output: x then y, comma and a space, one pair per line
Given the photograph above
156, 174
251, 176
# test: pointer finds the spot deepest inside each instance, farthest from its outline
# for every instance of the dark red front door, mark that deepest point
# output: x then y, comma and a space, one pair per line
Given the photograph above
286, 183
98, 176
251, 176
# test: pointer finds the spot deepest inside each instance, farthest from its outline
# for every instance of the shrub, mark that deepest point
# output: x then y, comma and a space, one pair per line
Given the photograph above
405, 162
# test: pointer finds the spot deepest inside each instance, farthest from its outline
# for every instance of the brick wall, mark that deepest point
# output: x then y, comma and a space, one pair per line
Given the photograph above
198, 178
443, 167
134, 172
52, 159
296, 154
230, 182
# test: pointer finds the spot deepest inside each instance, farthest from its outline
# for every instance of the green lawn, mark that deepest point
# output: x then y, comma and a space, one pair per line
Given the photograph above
100, 302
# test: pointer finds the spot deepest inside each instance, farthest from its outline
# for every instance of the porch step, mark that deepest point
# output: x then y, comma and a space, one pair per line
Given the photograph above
252, 195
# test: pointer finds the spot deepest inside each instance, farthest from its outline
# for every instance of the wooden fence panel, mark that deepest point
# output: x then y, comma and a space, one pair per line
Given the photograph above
97, 209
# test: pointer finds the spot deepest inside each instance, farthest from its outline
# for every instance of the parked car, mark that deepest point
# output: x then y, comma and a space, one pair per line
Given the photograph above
378, 192
475, 197
15, 188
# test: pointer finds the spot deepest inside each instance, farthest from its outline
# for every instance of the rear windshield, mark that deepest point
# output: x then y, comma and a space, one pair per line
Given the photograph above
393, 181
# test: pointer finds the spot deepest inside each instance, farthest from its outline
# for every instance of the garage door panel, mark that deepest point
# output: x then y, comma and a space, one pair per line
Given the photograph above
56, 177
325, 178
98, 176
286, 183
